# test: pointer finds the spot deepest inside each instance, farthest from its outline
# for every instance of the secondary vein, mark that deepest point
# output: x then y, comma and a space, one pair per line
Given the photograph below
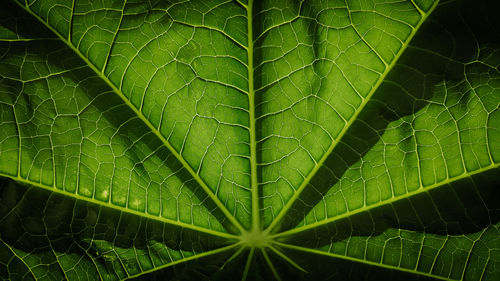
273, 227
141, 116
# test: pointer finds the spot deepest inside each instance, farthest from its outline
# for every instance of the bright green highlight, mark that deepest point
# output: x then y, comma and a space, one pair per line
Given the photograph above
249, 140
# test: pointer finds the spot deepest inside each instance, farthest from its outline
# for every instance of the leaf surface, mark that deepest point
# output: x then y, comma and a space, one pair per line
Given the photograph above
252, 140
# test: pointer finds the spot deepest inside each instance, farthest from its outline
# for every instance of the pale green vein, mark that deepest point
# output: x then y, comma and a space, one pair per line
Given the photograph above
333, 255
282, 24
275, 223
20, 258
113, 41
72, 15
141, 116
470, 253
234, 256
241, 3
27, 39
123, 209
417, 7
253, 136
485, 265
193, 257
86, 253
386, 202
248, 264
270, 264
44, 77
363, 38
287, 259
211, 28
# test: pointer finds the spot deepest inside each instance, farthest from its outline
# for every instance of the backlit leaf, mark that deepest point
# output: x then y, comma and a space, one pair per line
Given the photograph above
249, 140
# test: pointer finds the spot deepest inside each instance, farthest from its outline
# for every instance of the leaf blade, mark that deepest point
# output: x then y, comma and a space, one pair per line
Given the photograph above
152, 115
288, 195
72, 146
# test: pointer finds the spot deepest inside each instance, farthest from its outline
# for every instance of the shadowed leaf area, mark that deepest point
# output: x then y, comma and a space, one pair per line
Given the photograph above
250, 140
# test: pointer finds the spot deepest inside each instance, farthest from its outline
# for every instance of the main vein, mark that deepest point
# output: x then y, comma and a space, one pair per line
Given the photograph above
421, 189
361, 260
273, 227
53, 189
148, 123
253, 137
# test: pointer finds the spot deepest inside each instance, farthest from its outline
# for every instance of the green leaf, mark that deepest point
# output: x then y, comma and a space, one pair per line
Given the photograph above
250, 140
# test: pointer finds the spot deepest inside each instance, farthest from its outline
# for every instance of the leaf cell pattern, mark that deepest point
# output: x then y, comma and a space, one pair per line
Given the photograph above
252, 140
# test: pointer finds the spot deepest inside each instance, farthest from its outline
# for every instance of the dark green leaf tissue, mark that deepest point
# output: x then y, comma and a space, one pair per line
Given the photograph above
250, 140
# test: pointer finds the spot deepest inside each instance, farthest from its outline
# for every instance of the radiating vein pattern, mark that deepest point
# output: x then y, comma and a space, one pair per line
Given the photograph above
453, 137
63, 128
424, 196
77, 240
187, 73
182, 65
451, 232
250, 140
474, 255
301, 45
454, 134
